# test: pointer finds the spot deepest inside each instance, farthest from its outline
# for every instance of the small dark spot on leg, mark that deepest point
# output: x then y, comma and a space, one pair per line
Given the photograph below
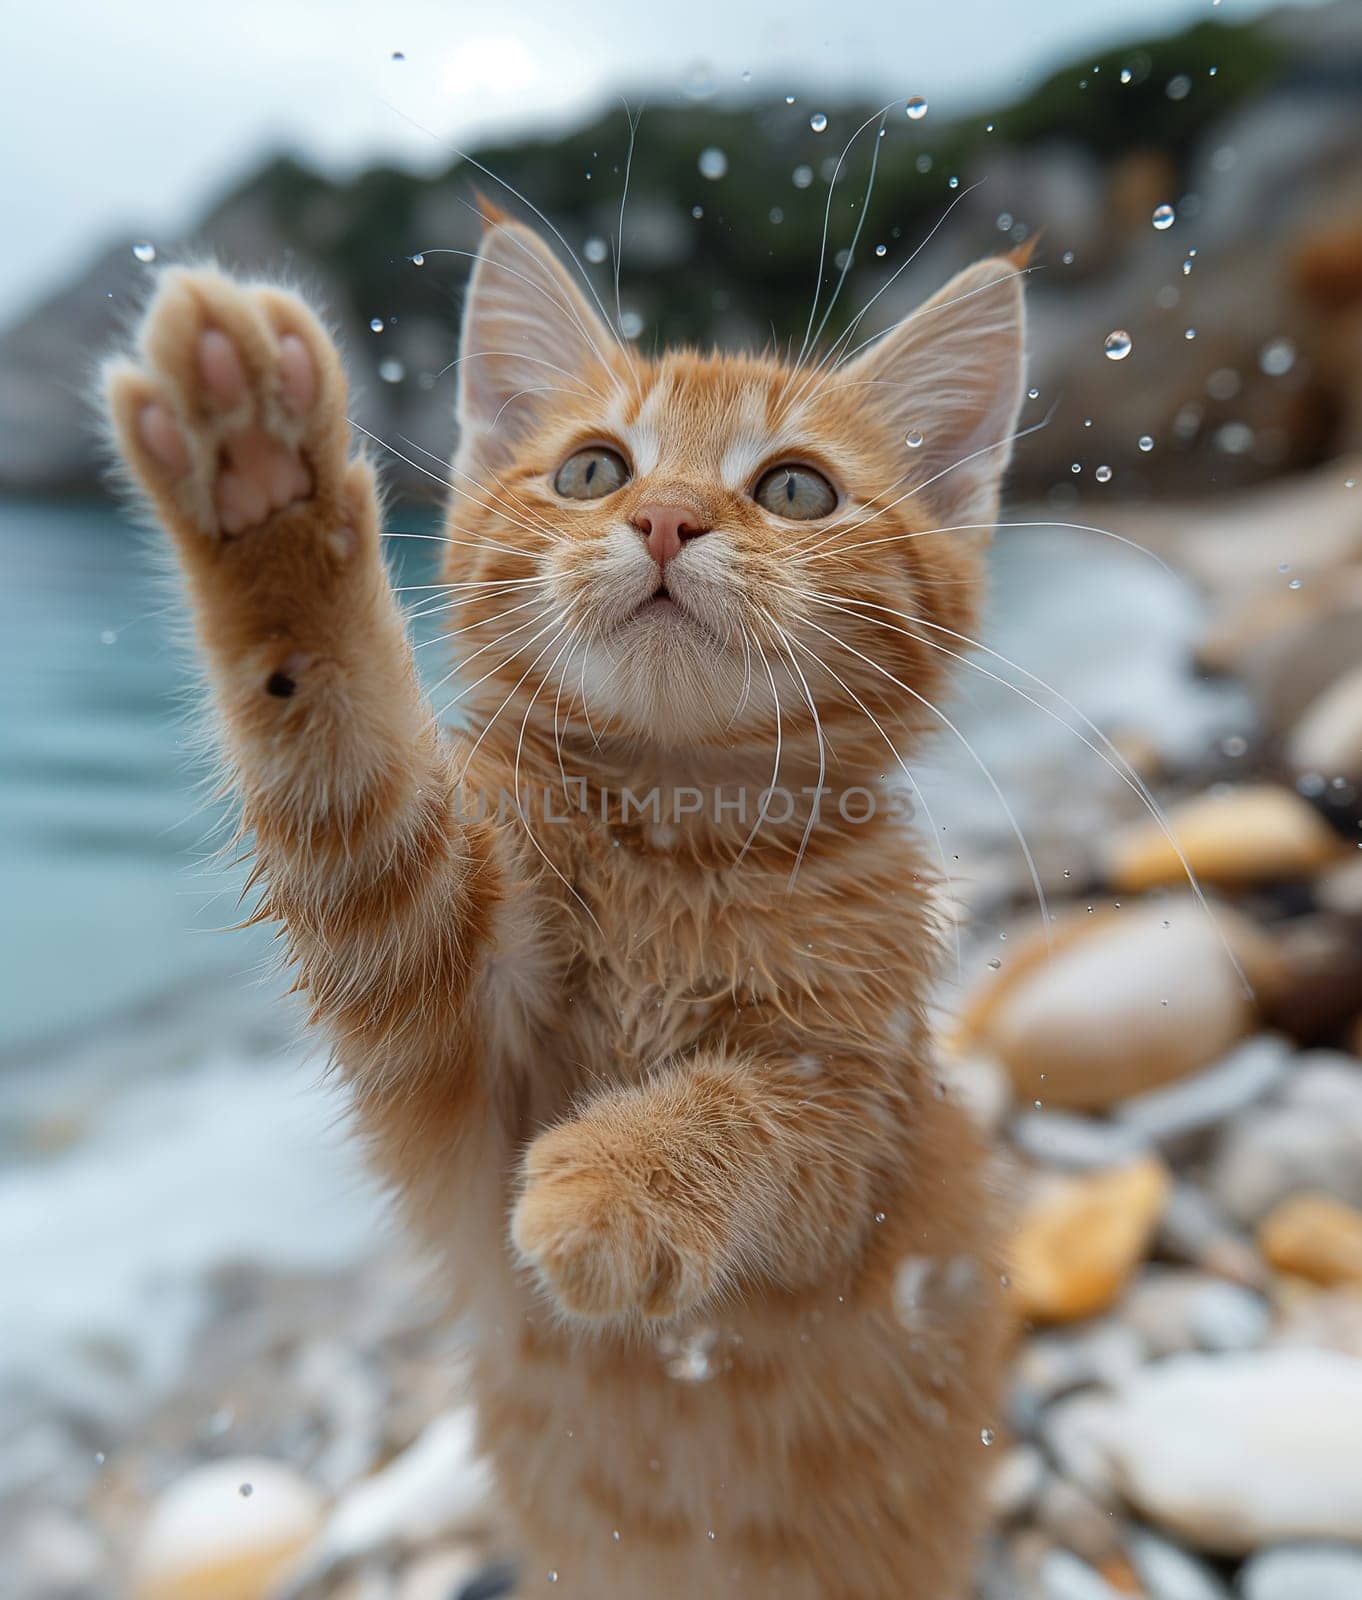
279, 683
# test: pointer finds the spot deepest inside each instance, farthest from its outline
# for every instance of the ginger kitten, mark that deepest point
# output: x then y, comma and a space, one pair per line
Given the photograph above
647, 1062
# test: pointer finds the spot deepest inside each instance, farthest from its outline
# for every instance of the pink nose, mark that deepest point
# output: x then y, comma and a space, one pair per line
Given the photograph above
666, 528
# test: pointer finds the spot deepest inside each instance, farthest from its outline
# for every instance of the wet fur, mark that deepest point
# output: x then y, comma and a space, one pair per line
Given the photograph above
660, 1095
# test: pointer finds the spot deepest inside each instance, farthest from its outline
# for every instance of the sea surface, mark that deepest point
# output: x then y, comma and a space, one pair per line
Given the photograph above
160, 1112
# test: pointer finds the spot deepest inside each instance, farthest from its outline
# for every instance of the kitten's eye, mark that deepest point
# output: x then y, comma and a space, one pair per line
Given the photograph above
591, 474
798, 493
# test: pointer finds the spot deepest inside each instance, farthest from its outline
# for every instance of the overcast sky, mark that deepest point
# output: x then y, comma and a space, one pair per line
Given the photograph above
122, 119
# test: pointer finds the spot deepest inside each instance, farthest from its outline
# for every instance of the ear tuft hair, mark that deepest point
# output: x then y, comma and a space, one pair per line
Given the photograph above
950, 377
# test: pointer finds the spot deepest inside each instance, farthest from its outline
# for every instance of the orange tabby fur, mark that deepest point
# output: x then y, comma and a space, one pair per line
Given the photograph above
660, 1093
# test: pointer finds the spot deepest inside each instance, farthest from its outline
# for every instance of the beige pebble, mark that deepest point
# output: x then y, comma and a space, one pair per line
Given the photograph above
1253, 834
229, 1530
1119, 1002
1316, 1237
1082, 1239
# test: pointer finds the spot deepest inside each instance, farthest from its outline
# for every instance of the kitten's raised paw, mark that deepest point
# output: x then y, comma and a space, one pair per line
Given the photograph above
235, 411
605, 1235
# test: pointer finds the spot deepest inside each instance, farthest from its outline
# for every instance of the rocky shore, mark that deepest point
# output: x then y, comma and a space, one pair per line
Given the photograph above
1176, 1089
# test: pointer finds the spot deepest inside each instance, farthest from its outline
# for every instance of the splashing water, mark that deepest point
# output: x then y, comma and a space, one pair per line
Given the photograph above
1277, 357
1164, 217
916, 108
818, 122
1118, 345
375, 324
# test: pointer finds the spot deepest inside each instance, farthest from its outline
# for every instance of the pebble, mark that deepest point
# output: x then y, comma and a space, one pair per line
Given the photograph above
1308, 1139
1074, 1519
1066, 1139
228, 1530
1173, 1309
1063, 1576
1303, 1572
438, 1488
1255, 834
1314, 1236
1250, 1072
1126, 1000
1013, 1488
1083, 1237
1194, 1229
1327, 739
1231, 1452
981, 1086
1075, 1434
1169, 1573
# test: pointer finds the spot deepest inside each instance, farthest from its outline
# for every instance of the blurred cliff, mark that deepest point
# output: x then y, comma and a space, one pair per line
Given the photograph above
1244, 312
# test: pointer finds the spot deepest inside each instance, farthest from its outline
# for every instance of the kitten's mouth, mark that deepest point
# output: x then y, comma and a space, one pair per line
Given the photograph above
660, 602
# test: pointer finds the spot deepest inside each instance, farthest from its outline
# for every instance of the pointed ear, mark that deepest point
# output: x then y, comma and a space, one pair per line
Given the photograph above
528, 337
950, 377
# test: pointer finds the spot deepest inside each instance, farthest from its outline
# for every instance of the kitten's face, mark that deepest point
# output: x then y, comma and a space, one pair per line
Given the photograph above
684, 550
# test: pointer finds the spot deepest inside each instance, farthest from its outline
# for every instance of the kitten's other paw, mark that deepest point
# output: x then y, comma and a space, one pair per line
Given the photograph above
607, 1230
234, 411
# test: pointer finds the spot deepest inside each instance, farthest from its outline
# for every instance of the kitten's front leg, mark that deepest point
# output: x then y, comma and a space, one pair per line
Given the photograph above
232, 422
721, 1173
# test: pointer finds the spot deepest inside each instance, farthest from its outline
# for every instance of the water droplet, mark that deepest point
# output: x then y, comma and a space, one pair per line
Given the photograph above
1234, 438
595, 250
776, 214
1164, 217
144, 250
614, 1532
1350, 483
1004, 221
391, 370
986, 1436
923, 163
553, 1575
1067, 258
697, 212
802, 176
916, 108
1179, 88
1295, 583
699, 81
1146, 443
713, 163
995, 964
688, 1357
1189, 334
399, 55
789, 99
818, 122
914, 440
246, 1490
879, 1216
881, 250
1033, 394
1117, 345
375, 324
1103, 474
418, 260
1277, 357
631, 324
108, 636
953, 183
1076, 468
1127, 76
